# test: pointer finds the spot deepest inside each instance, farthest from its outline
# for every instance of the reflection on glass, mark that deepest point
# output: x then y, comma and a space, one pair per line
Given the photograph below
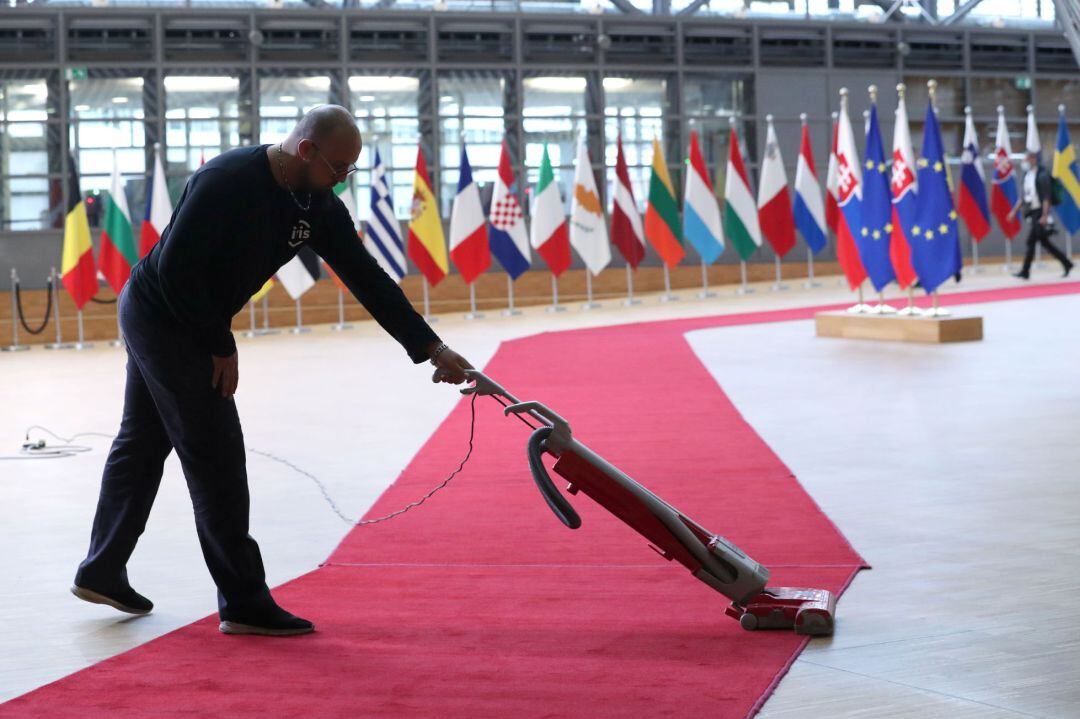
284, 100
634, 107
24, 191
107, 128
554, 114
385, 107
470, 111
201, 118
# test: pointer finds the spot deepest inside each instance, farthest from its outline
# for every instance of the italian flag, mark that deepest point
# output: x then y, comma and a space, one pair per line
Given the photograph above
740, 211
662, 226
118, 253
548, 234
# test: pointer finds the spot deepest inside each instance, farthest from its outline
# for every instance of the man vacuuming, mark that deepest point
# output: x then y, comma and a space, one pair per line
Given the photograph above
242, 216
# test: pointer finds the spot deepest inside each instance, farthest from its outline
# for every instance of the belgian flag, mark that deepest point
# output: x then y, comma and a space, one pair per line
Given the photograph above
77, 270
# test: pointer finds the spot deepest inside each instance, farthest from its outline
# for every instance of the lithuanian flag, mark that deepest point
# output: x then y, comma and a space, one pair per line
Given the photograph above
427, 244
77, 270
662, 226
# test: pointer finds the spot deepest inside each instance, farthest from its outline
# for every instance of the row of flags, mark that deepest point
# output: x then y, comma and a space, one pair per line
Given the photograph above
895, 219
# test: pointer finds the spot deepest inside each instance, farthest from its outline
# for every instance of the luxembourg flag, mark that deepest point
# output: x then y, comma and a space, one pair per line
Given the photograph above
971, 194
468, 228
848, 198
809, 212
508, 236
701, 213
1004, 192
904, 186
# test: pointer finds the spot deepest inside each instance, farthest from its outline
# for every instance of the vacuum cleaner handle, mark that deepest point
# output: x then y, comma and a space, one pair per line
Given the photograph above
558, 504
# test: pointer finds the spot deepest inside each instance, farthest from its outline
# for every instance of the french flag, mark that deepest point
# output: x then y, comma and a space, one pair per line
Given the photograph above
1004, 193
468, 228
848, 198
809, 213
971, 194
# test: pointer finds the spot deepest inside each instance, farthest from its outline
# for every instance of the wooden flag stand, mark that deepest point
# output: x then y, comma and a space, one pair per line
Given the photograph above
933, 326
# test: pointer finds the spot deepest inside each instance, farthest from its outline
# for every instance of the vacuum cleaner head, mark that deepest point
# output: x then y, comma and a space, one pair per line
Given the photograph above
711, 558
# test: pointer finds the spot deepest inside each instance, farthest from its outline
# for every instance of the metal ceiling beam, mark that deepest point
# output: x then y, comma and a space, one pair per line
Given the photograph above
693, 7
961, 12
1068, 16
626, 7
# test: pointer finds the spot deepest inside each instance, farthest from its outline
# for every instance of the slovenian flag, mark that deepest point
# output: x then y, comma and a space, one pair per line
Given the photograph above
701, 213
383, 239
809, 212
774, 201
549, 236
1067, 172
468, 227
971, 194
848, 199
935, 246
508, 235
875, 217
427, 244
904, 190
158, 208
1004, 193
740, 211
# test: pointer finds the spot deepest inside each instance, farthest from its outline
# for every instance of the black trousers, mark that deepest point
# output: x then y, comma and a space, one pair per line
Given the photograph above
1041, 235
169, 404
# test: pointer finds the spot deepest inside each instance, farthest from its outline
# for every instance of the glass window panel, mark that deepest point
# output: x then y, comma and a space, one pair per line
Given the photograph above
634, 108
201, 122
284, 100
554, 114
386, 110
24, 199
107, 126
470, 110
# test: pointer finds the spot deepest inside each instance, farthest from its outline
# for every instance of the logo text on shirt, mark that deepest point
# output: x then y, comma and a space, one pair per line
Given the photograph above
301, 231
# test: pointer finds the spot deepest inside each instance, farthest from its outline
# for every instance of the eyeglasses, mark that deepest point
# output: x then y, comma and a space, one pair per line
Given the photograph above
343, 173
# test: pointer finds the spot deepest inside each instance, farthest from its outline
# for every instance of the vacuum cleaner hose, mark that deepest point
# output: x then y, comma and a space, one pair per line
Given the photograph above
558, 504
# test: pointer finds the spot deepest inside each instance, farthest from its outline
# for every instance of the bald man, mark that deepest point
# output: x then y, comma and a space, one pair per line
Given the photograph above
242, 216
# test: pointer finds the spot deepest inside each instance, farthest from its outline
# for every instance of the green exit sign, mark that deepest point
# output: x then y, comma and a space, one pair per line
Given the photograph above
76, 73
1023, 82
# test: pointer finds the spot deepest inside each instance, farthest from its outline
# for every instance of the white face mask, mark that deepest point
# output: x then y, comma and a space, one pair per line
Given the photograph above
1026, 165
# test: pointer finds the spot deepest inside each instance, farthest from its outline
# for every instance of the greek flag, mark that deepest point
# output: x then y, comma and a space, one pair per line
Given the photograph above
383, 237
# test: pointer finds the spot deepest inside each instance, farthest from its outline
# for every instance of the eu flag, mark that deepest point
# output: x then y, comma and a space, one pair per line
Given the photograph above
876, 219
935, 247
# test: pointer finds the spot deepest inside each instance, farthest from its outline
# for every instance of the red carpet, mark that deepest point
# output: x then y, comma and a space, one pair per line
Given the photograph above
481, 604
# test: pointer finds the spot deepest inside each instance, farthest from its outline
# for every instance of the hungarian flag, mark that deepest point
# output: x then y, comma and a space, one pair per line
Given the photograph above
774, 200
662, 226
468, 228
626, 231
588, 231
808, 211
118, 253
549, 235
158, 208
383, 240
701, 215
299, 274
832, 206
971, 195
740, 210
848, 199
77, 270
1004, 193
508, 235
903, 186
427, 245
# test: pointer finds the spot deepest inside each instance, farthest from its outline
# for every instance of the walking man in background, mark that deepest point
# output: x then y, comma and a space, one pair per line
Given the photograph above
1037, 198
242, 216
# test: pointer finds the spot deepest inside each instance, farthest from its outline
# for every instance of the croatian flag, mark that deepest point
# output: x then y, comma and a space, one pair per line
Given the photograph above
468, 228
1004, 193
848, 199
875, 227
384, 240
508, 236
971, 195
809, 212
904, 189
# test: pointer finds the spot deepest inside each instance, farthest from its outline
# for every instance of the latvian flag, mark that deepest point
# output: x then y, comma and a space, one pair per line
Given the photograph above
626, 231
468, 228
508, 235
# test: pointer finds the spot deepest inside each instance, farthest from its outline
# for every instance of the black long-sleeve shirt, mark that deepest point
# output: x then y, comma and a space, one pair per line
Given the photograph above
233, 228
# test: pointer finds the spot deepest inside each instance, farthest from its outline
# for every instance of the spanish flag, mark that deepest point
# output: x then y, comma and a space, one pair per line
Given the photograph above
77, 270
427, 244
662, 226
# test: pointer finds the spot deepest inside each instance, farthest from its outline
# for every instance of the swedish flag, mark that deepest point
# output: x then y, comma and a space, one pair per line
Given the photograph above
1067, 172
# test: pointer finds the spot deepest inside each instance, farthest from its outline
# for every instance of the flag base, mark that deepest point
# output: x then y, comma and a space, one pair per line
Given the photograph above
15, 348
340, 327
474, 315
669, 298
910, 311
810, 284
896, 328
705, 294
556, 308
591, 306
510, 312
778, 287
82, 345
299, 330
116, 343
630, 302
744, 290
860, 308
60, 346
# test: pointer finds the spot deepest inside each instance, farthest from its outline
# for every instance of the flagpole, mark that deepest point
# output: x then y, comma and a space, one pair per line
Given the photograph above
59, 344
340, 313
974, 256
266, 319
859, 307
473, 314
630, 287
778, 286
427, 305
555, 306
510, 311
882, 308
251, 314
299, 329
119, 341
1008, 255
705, 292
937, 311
667, 296
80, 344
589, 304
14, 346
911, 310
744, 289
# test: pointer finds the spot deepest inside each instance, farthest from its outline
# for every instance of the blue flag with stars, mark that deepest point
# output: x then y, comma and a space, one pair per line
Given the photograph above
875, 233
935, 244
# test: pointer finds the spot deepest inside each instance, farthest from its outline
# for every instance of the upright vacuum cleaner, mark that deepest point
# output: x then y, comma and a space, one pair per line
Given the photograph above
674, 536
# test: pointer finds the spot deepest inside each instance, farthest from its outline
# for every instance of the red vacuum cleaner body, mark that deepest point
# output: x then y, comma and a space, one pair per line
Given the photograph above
709, 557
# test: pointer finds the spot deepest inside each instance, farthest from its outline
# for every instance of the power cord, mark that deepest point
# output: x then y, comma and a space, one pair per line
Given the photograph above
39, 449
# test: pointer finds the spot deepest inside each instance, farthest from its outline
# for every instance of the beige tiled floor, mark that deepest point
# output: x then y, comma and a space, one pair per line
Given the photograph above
964, 505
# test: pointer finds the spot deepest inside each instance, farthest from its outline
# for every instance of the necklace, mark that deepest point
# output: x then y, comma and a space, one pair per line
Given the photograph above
285, 177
